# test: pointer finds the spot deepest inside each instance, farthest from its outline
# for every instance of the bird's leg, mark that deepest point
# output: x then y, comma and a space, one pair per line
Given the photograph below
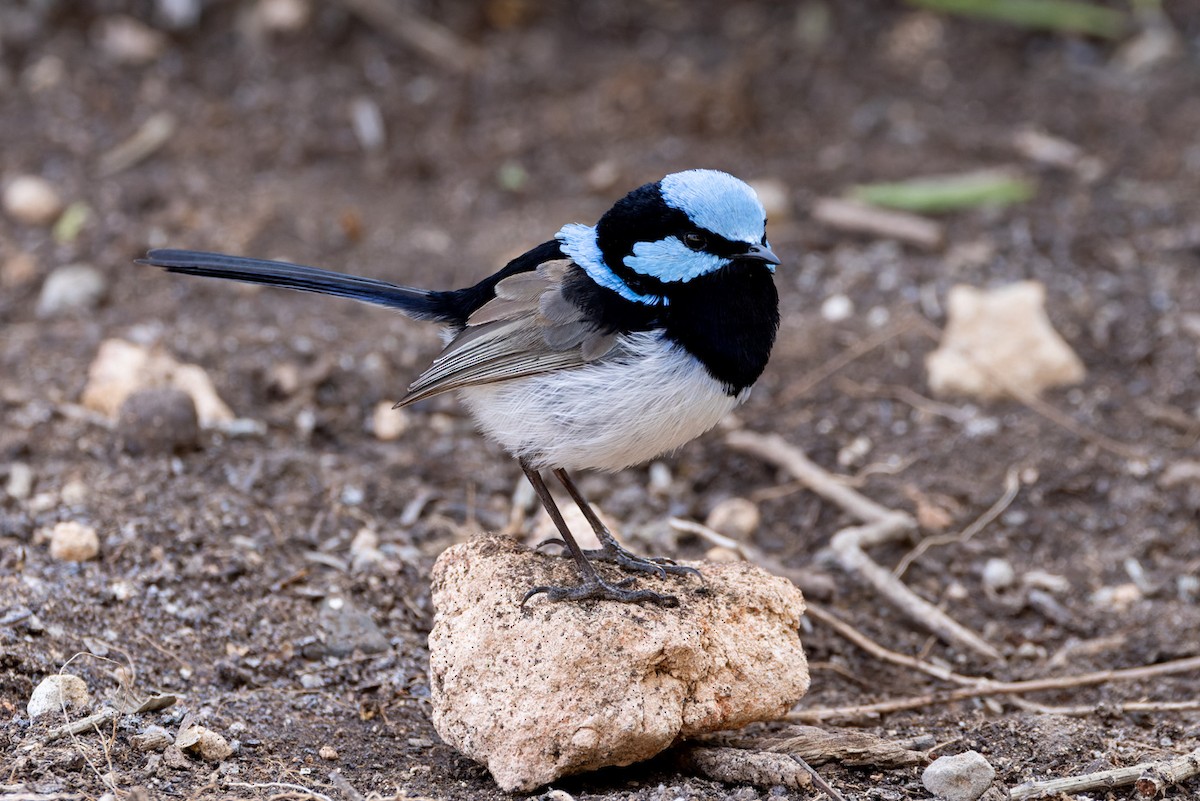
612, 551
592, 585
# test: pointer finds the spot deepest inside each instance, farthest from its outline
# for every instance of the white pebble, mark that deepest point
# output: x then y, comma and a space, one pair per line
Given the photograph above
367, 121
734, 517
205, 743
855, 452
20, 481
73, 542
32, 200
179, 14
964, 777
75, 286
388, 423
283, 16
837, 308
127, 40
998, 574
56, 691
660, 478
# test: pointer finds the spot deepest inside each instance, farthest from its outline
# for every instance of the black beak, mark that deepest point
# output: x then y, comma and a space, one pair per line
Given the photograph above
761, 253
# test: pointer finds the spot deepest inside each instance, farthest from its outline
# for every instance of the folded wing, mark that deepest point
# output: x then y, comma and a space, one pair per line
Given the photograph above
528, 328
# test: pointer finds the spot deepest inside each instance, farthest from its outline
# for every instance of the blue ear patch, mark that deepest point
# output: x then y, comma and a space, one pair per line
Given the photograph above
717, 202
578, 242
670, 260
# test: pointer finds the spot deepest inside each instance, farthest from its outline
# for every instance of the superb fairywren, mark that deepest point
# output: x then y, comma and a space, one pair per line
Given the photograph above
603, 348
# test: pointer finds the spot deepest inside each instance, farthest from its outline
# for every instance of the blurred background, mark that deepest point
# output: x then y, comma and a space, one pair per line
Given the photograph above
901, 148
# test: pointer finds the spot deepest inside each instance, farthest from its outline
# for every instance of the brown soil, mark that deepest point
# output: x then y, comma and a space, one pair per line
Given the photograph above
214, 562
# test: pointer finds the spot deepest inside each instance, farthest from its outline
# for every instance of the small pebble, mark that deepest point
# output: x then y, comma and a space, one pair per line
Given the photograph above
75, 286
56, 691
837, 308
73, 542
964, 777
327, 752
283, 16
158, 422
20, 481
737, 518
387, 423
127, 40
32, 200
367, 121
179, 14
855, 452
998, 574
204, 743
660, 479
364, 550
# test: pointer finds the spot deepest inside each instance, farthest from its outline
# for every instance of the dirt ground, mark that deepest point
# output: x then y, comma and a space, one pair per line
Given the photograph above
216, 563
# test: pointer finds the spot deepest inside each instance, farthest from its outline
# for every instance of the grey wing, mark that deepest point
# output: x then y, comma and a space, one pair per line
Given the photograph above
528, 328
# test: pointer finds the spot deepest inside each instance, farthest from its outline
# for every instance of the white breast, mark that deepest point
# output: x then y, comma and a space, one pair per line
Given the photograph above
645, 398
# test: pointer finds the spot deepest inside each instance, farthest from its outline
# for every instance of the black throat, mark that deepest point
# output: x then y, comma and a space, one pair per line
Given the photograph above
727, 319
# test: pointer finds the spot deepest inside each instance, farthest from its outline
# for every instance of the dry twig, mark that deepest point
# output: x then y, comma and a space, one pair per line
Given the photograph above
436, 42
882, 525
1151, 779
985, 688
1012, 484
851, 215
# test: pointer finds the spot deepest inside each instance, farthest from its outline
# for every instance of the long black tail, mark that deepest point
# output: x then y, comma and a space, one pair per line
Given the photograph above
421, 304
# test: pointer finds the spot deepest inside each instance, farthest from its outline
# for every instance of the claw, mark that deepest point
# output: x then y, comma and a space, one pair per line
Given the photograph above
599, 590
550, 541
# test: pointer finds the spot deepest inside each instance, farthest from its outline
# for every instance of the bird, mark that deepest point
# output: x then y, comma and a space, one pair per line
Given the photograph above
601, 349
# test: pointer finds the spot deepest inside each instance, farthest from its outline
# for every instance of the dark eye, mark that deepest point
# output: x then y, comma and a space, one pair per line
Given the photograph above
695, 240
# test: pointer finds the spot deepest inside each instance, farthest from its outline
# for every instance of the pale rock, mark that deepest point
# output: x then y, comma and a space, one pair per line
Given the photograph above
122, 368
73, 542
554, 689
20, 481
179, 14
1118, 598
737, 518
837, 308
75, 286
998, 574
56, 691
283, 16
127, 40
32, 200
963, 777
388, 423
999, 342
364, 550
204, 743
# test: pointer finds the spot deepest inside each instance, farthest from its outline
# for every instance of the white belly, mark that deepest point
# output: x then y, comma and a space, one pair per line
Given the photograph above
644, 399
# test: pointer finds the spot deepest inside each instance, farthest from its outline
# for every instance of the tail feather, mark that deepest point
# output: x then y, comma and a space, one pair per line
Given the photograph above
421, 304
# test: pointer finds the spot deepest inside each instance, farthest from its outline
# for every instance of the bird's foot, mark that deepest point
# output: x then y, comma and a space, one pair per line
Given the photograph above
614, 554
596, 588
